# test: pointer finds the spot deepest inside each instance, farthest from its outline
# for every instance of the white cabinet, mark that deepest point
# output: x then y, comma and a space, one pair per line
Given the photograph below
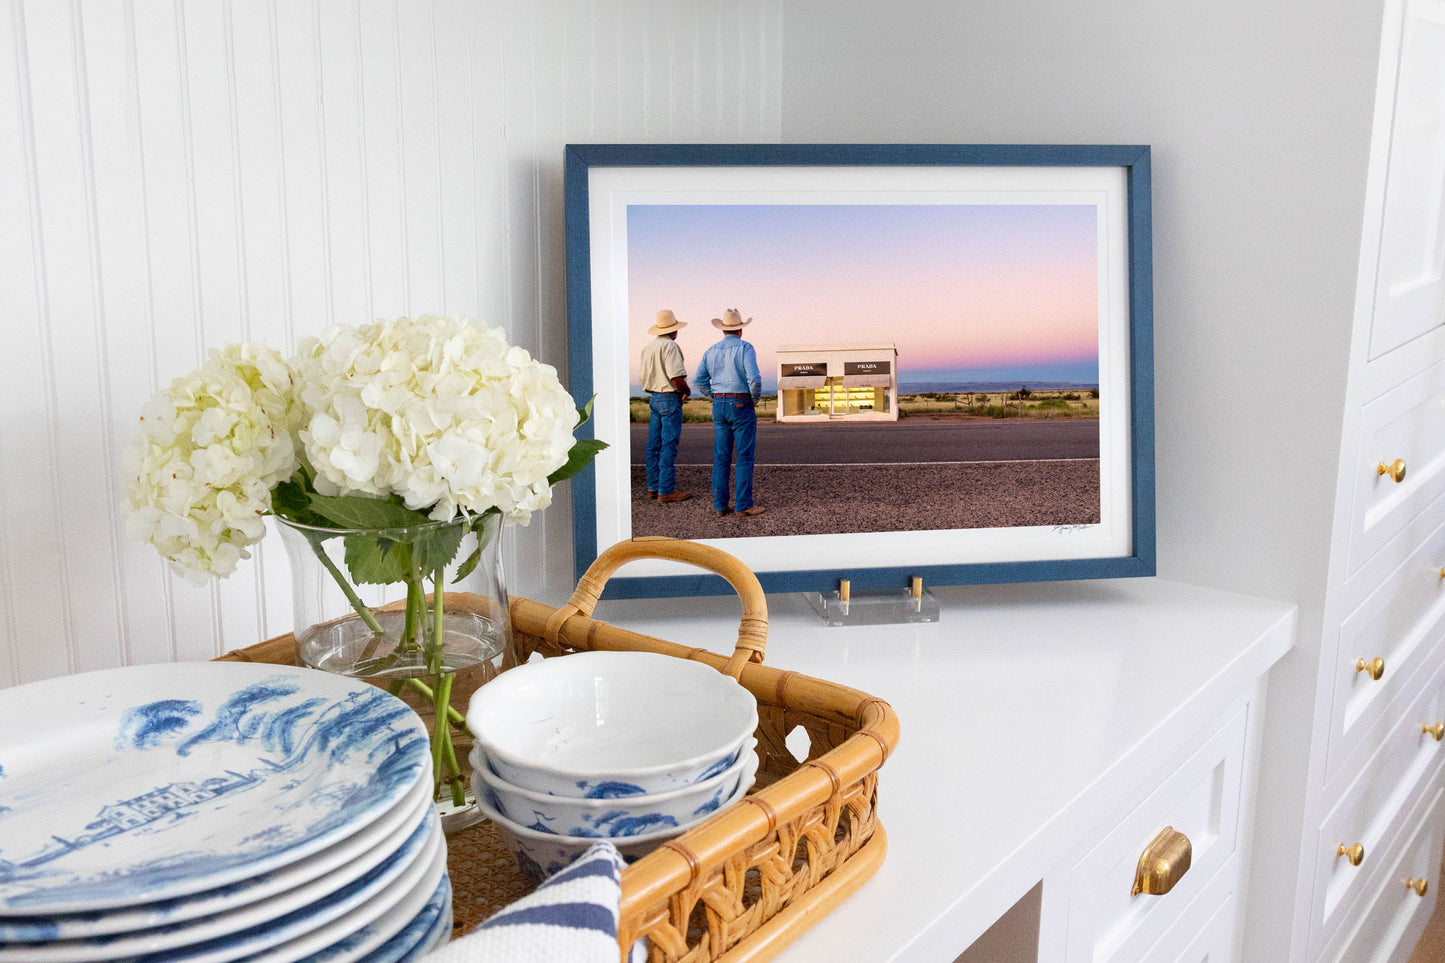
1372, 816
1109, 922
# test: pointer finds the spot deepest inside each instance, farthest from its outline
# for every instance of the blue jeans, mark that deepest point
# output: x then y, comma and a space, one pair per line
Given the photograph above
734, 429
664, 427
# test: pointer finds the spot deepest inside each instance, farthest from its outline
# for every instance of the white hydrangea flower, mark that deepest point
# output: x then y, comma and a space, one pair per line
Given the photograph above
209, 450
438, 410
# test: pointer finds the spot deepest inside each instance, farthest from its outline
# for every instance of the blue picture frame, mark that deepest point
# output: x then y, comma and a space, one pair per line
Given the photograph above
595, 170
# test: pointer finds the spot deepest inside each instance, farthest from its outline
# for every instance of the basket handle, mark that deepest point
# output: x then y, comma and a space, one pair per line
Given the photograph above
752, 633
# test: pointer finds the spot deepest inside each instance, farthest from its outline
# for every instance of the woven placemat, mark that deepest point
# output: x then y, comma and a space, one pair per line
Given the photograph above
484, 873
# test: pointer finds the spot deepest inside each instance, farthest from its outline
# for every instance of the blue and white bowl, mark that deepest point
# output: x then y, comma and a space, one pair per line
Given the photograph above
639, 722
541, 854
618, 812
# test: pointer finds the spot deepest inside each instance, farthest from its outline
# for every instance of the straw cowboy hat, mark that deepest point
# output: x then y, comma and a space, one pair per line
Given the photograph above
666, 323
731, 321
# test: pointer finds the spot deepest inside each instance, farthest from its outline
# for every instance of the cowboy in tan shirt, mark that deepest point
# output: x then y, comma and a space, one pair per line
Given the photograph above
664, 378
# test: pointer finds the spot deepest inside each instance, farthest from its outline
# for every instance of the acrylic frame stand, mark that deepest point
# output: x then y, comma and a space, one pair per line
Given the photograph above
888, 607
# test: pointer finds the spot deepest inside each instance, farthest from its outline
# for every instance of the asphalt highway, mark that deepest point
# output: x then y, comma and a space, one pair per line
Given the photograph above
911, 441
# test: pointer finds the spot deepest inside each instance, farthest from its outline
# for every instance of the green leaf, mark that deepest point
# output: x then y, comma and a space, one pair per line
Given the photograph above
358, 511
578, 458
377, 561
479, 525
291, 500
436, 548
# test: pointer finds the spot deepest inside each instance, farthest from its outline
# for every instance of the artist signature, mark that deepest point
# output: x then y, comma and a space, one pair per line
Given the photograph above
1065, 529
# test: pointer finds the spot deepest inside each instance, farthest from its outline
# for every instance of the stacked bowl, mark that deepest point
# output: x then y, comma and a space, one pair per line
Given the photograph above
218, 811
636, 747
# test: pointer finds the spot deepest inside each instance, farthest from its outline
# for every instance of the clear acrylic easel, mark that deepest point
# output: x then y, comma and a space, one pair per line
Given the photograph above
889, 607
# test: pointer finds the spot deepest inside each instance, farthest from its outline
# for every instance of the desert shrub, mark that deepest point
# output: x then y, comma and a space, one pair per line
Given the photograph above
1094, 393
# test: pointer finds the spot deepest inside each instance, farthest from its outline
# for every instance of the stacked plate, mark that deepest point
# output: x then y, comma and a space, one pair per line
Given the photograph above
216, 811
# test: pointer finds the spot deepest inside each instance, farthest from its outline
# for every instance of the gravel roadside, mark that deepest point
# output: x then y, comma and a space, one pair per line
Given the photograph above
835, 499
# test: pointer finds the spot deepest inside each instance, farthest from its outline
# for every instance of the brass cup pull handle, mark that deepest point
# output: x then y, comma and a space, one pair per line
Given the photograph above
1163, 863
1375, 668
1421, 886
1436, 729
1355, 854
1395, 469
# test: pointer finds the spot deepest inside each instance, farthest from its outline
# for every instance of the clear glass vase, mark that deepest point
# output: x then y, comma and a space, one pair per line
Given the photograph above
365, 606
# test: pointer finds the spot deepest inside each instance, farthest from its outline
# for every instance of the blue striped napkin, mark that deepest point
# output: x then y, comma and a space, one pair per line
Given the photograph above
570, 918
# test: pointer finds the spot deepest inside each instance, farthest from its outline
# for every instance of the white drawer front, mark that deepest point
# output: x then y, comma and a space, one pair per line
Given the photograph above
1207, 937
1408, 425
1400, 623
1389, 922
1201, 800
1369, 812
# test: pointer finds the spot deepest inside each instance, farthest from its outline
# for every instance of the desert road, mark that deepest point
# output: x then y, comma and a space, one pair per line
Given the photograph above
898, 442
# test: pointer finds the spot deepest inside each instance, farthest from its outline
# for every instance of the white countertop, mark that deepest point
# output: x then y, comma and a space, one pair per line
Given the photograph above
1015, 707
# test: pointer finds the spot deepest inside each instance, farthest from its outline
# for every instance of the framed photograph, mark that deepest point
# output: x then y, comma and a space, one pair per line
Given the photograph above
900, 360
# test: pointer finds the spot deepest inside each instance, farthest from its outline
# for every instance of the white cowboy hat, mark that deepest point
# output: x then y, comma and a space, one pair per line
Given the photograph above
666, 323
731, 321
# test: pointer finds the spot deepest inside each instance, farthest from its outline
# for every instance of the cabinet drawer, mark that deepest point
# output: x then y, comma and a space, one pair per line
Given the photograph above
1389, 922
1205, 931
1405, 425
1369, 812
1400, 623
1199, 799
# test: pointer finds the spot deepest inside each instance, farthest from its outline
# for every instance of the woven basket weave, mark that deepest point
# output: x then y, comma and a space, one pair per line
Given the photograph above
751, 878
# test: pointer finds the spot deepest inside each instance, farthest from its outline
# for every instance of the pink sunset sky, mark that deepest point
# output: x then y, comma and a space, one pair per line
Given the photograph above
966, 292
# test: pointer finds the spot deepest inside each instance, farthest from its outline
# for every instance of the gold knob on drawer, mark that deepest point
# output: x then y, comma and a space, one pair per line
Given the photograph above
1421, 886
1375, 668
1436, 729
1163, 863
1395, 469
1355, 854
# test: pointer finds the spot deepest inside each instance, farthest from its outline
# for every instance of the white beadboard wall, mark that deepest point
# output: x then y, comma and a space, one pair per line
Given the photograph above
180, 174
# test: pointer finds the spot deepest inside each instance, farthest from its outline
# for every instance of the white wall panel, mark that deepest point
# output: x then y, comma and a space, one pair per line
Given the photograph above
176, 175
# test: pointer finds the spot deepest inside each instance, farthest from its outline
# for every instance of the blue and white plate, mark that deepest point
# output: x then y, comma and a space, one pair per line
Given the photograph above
146, 783
369, 926
240, 932
305, 881
427, 930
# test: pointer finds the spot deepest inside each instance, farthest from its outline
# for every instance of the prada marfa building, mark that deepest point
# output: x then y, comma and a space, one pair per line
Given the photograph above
838, 382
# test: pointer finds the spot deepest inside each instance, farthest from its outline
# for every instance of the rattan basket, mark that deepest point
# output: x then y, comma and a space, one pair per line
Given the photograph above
750, 879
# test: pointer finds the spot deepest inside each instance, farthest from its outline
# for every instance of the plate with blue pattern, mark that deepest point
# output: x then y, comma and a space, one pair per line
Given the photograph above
147, 783
305, 881
368, 927
226, 936
427, 931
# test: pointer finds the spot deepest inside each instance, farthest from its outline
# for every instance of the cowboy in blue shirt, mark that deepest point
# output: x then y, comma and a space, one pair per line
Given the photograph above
728, 374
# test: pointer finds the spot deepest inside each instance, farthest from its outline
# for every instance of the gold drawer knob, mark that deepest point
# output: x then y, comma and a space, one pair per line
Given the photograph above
1163, 863
1435, 729
1355, 854
1395, 469
1421, 886
1375, 668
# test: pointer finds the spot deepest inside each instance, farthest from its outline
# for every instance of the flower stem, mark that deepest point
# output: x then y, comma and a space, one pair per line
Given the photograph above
444, 754
425, 691
366, 614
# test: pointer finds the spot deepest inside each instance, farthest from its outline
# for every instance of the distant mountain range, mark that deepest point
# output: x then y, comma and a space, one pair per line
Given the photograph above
953, 387
948, 387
